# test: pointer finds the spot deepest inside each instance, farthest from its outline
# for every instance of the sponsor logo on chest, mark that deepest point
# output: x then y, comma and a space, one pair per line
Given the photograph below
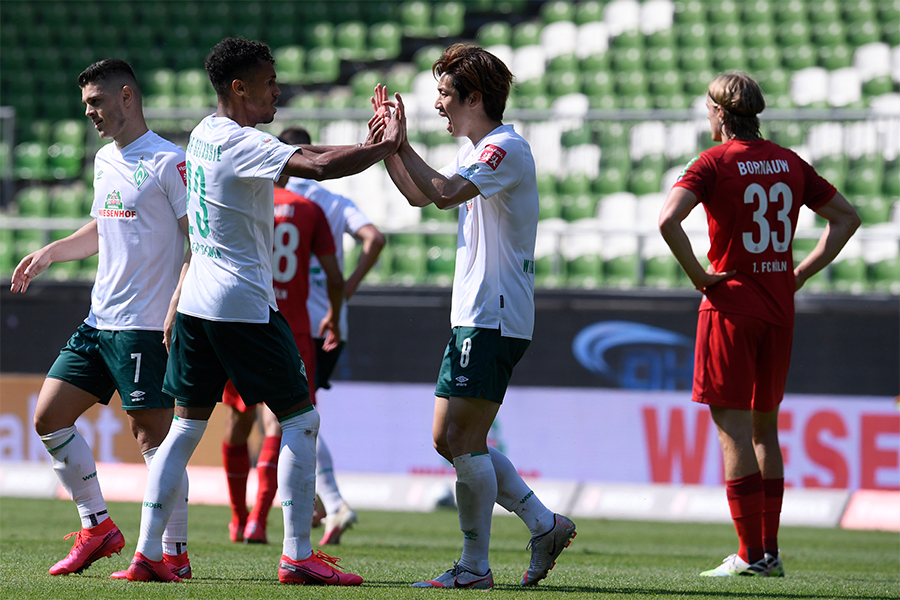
114, 209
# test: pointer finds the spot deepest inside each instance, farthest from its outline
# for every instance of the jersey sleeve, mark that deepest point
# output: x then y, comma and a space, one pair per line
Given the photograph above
699, 176
323, 241
173, 181
354, 218
496, 168
260, 155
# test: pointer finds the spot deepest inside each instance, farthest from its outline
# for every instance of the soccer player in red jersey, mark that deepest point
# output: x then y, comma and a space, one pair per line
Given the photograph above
301, 230
752, 191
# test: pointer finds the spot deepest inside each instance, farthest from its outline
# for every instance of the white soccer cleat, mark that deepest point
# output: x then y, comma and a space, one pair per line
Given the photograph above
735, 566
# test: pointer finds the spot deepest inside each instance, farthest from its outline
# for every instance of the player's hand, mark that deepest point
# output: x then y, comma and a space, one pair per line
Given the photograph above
396, 121
168, 326
30, 267
711, 277
330, 329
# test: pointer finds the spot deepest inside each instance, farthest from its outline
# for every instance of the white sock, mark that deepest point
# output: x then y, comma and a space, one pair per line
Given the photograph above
74, 465
476, 491
174, 538
514, 495
326, 485
297, 481
165, 481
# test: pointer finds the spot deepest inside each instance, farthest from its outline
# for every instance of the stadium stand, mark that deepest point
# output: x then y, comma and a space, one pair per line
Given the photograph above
571, 59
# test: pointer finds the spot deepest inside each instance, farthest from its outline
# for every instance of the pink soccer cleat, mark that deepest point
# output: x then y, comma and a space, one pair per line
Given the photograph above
90, 545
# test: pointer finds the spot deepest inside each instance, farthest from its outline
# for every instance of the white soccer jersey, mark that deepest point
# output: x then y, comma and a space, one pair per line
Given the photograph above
231, 210
139, 195
343, 217
493, 284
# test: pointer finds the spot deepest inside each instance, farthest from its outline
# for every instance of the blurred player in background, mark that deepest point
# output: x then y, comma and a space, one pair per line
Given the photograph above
752, 191
343, 217
492, 184
228, 326
139, 229
301, 230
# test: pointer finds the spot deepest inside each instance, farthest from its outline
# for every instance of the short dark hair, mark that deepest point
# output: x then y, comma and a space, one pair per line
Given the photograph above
109, 69
474, 69
234, 58
295, 136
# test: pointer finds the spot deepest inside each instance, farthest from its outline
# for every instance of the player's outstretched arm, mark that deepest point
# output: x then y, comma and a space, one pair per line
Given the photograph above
372, 242
329, 328
81, 244
341, 161
843, 221
677, 207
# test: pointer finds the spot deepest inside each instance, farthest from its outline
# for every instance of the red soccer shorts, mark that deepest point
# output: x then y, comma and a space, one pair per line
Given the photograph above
740, 361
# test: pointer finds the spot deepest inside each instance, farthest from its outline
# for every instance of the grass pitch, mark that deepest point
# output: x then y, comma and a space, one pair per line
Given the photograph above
612, 559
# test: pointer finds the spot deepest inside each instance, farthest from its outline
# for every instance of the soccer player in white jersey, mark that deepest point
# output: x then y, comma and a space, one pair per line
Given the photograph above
343, 217
492, 184
227, 324
139, 229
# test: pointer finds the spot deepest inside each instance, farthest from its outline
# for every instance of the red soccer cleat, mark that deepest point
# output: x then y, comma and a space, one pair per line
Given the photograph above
177, 563
318, 569
90, 545
144, 569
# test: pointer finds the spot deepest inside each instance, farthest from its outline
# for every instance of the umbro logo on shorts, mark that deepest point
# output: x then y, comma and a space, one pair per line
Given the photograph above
137, 395
462, 380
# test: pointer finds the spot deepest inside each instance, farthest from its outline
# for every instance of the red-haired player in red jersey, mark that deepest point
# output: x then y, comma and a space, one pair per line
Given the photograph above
752, 191
301, 229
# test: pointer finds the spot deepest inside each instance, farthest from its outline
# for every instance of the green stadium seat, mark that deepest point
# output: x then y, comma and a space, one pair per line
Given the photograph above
425, 57
725, 11
31, 160
584, 271
415, 18
698, 58
626, 60
891, 179
378, 11
574, 184
527, 33
341, 12
890, 31
562, 83
588, 11
884, 275
350, 40
661, 59
598, 83
788, 134
7, 252
730, 58
666, 83
448, 19
795, 33
323, 65
363, 83
878, 86
690, 11
65, 160
759, 34
864, 180
614, 138
33, 201
693, 35
757, 11
802, 56
290, 64
631, 83
621, 271
849, 275
859, 10
863, 32
661, 271
645, 180
663, 38
872, 209
385, 41
318, 35
696, 83
557, 10
837, 56
67, 202
494, 33
774, 82
192, 82
728, 34
824, 34
69, 131
612, 179
551, 206
579, 206
789, 11
400, 78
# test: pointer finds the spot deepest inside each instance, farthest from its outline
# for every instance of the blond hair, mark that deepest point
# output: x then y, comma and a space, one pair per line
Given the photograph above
741, 100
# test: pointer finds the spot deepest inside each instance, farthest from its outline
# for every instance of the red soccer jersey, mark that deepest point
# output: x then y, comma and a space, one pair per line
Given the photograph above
301, 229
752, 192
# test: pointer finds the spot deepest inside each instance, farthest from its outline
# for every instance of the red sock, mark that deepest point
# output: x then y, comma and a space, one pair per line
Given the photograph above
267, 474
746, 500
774, 491
236, 460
